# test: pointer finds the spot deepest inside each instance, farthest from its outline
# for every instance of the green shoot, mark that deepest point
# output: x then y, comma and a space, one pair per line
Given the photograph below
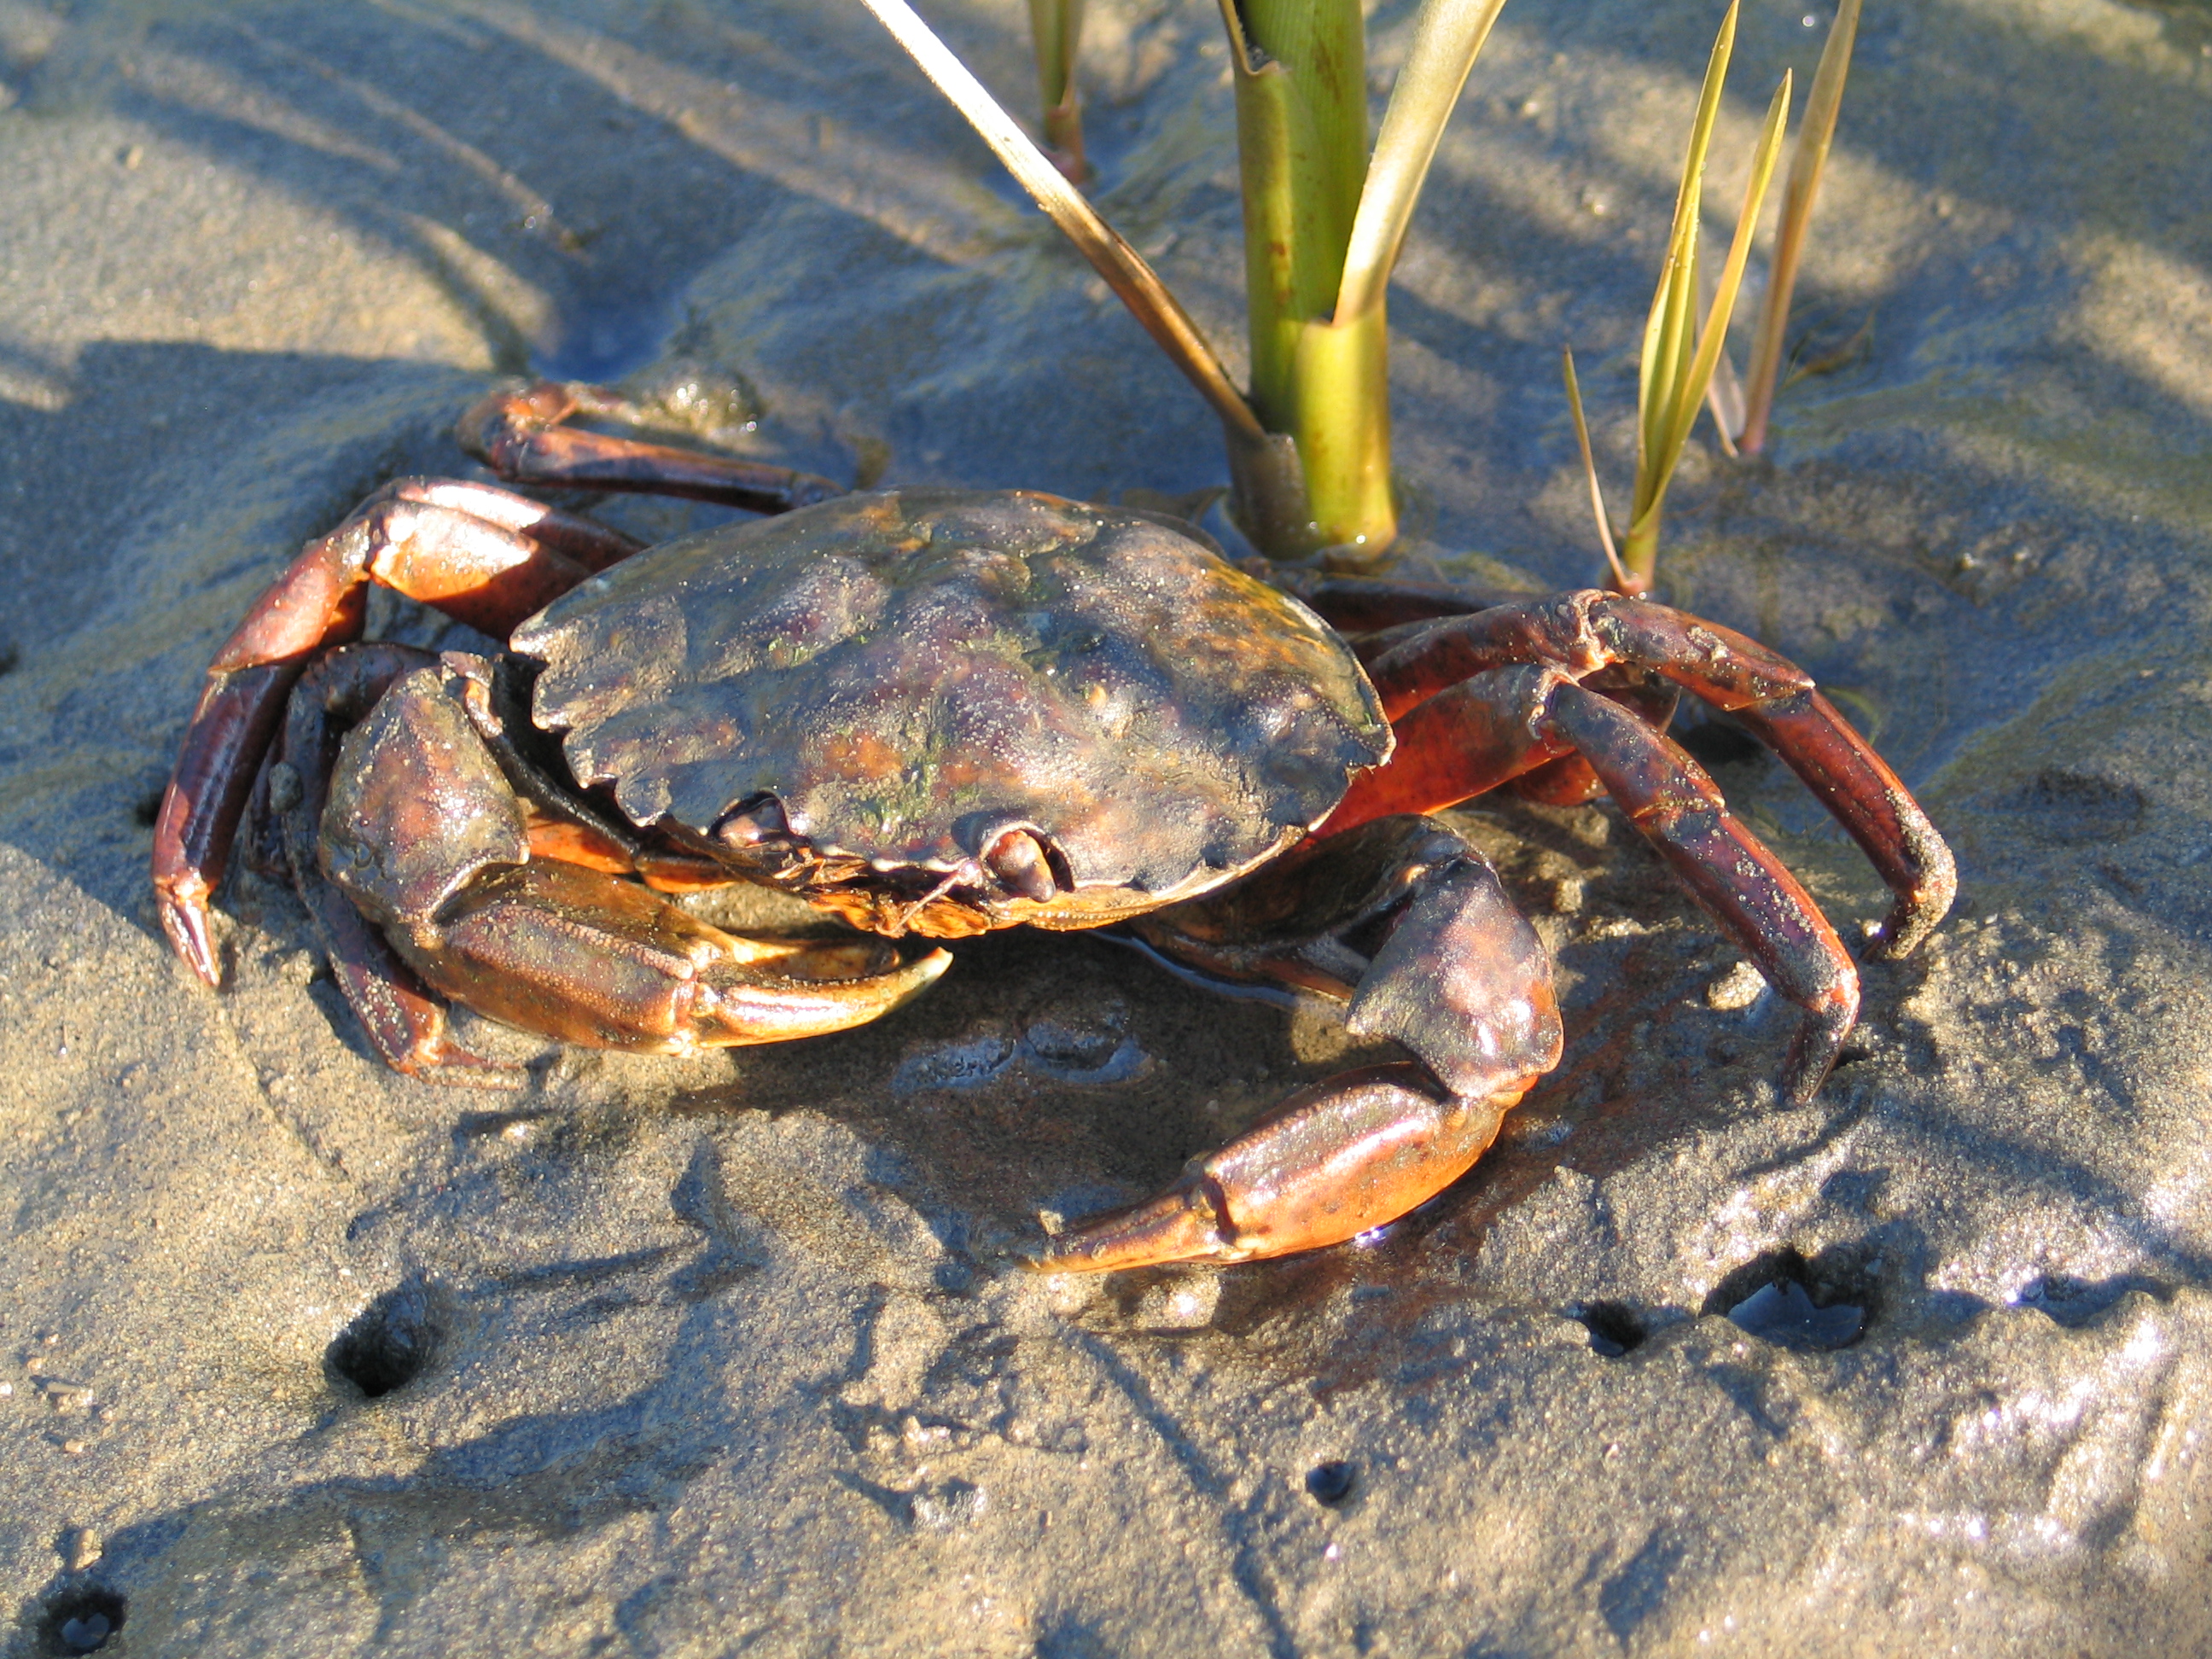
1679, 354
1806, 164
1323, 223
1301, 85
1056, 28
1589, 471
1308, 451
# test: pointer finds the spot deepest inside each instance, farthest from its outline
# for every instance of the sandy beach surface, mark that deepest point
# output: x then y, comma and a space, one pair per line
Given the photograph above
729, 1356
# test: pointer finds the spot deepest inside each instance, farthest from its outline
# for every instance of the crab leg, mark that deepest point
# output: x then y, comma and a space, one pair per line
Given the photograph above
404, 1022
481, 554
1499, 723
517, 432
1460, 980
422, 832
1330, 1162
1583, 632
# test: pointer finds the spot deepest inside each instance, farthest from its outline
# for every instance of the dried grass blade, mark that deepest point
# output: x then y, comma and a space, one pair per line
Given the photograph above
1806, 162
1621, 581
1125, 270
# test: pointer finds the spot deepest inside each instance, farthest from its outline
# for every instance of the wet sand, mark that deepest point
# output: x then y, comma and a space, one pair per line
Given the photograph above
728, 1355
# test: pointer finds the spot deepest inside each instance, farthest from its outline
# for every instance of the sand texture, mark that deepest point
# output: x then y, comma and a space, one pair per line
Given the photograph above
727, 1356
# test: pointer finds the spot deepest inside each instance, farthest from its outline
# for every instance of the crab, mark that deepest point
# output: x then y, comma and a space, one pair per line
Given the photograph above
934, 712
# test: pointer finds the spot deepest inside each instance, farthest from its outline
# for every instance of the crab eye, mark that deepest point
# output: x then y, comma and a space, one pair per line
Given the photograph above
754, 822
1017, 863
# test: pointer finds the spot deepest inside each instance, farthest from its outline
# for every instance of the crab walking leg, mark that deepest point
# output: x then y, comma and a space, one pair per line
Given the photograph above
1461, 980
1489, 728
1582, 632
404, 1022
481, 554
422, 831
1744, 887
517, 432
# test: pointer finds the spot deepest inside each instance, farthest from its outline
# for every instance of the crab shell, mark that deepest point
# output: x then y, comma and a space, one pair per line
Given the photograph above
909, 676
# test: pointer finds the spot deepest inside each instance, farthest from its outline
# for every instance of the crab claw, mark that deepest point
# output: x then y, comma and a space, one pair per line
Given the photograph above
582, 957
1349, 1154
182, 905
772, 990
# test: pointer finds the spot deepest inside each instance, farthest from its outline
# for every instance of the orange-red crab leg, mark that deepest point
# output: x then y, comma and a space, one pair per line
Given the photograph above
1486, 729
1331, 1162
482, 554
404, 1022
421, 831
1458, 978
1583, 632
516, 431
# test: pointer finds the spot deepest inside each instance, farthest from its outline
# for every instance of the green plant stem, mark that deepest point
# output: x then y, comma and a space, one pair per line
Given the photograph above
1302, 139
1056, 29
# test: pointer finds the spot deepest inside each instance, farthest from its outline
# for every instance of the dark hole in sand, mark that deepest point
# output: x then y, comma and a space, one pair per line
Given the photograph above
1614, 1329
1782, 1299
147, 808
390, 1343
1330, 1484
83, 1620
2065, 1300
9, 656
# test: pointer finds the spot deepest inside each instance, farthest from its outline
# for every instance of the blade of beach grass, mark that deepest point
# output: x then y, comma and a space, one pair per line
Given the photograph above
1124, 269
1678, 376
1448, 37
1690, 394
1806, 163
1056, 30
1589, 470
1669, 332
1678, 408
